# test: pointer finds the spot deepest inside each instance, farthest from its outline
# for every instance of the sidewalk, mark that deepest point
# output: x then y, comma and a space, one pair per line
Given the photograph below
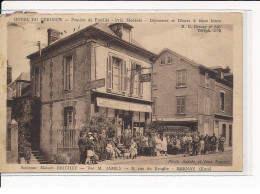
149, 158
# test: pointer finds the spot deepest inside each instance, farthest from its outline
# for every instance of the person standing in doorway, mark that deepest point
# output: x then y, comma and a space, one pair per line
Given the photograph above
221, 144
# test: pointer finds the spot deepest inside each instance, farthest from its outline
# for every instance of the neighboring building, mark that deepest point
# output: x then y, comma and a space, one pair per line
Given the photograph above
21, 86
224, 103
97, 69
188, 94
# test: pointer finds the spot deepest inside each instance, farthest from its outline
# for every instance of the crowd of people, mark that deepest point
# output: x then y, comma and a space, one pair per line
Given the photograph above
96, 147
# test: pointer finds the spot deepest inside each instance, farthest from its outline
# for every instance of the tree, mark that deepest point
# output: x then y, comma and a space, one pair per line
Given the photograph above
100, 122
157, 126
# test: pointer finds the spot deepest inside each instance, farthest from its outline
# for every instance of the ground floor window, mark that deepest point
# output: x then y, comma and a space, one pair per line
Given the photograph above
68, 117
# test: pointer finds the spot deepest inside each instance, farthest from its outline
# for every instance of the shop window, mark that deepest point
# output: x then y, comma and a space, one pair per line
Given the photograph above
37, 81
116, 74
68, 74
222, 101
181, 103
181, 78
68, 117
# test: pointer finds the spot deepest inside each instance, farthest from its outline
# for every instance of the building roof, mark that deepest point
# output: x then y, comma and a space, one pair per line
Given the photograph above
102, 27
196, 64
24, 76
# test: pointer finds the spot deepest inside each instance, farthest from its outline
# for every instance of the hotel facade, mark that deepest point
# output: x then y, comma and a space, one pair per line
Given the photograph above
95, 70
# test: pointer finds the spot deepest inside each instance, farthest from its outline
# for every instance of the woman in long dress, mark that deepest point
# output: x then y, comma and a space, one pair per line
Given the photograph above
158, 145
164, 145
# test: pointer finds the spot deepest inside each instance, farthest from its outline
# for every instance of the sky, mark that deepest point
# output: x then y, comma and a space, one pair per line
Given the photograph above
209, 49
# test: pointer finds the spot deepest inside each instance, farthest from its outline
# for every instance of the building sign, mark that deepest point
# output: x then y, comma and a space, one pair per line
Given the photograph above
99, 83
121, 105
145, 77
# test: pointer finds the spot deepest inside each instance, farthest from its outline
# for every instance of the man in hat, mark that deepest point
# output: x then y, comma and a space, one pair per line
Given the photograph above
213, 143
103, 145
82, 143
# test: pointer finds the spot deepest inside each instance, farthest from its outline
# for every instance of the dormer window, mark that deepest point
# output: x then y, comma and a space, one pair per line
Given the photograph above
167, 59
122, 30
170, 60
163, 61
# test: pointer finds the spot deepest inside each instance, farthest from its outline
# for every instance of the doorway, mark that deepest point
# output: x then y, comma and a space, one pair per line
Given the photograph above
230, 135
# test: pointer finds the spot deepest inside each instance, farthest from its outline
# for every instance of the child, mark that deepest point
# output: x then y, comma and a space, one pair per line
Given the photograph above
133, 149
110, 150
90, 151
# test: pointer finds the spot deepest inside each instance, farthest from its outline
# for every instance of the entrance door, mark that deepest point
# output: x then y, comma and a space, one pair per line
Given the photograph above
224, 130
230, 135
128, 123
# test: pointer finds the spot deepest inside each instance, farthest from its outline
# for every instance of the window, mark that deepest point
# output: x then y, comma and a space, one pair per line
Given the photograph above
68, 117
207, 79
163, 60
136, 88
116, 74
181, 78
166, 59
207, 106
37, 81
181, 101
68, 76
222, 101
170, 60
154, 106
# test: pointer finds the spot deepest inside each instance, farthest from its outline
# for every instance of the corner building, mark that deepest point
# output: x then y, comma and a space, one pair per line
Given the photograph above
97, 69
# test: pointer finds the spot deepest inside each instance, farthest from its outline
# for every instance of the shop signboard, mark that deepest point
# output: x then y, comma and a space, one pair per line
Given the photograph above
145, 77
121, 105
99, 83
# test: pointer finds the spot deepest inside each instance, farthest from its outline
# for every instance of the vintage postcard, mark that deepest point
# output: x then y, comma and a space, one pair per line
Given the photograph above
121, 92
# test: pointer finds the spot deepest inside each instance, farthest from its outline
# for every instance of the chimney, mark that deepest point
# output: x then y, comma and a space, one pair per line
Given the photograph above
53, 35
9, 73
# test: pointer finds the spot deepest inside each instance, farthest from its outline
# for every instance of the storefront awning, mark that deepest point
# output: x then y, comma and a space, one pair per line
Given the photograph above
121, 105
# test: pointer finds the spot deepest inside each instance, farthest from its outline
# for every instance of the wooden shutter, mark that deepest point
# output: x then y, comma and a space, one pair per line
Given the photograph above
71, 71
140, 83
125, 76
132, 78
183, 105
109, 72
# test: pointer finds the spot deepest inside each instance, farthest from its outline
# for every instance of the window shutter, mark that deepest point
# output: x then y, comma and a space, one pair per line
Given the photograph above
183, 105
71, 72
132, 78
140, 83
63, 73
125, 76
109, 72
